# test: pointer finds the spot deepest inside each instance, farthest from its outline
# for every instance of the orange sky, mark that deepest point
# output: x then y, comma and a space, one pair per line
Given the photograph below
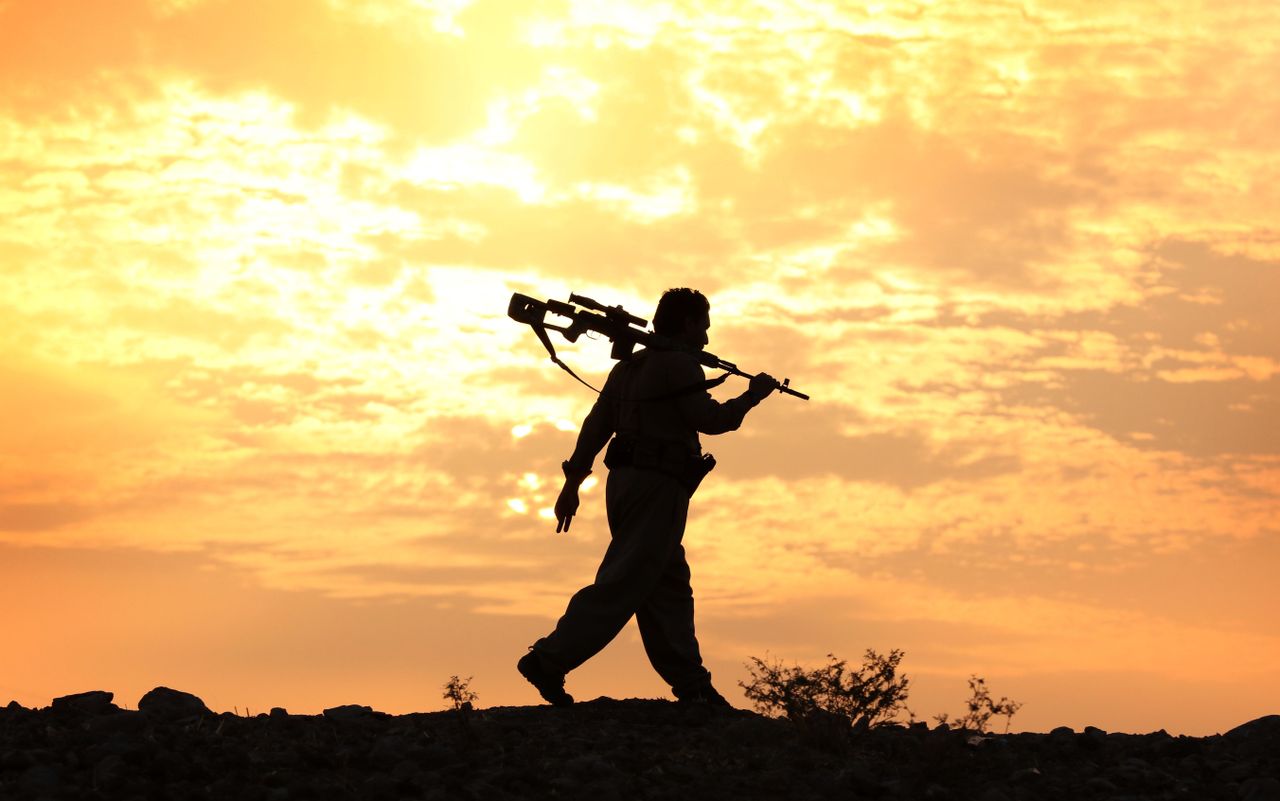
268, 435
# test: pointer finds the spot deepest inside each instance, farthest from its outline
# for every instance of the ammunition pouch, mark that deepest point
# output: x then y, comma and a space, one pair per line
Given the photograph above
670, 458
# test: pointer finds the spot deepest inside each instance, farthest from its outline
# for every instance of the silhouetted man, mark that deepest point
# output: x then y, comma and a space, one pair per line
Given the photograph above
654, 405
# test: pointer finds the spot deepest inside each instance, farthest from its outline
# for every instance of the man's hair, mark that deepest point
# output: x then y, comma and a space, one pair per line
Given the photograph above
677, 305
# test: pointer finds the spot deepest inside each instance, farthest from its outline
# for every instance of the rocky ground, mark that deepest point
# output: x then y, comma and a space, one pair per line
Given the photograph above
85, 747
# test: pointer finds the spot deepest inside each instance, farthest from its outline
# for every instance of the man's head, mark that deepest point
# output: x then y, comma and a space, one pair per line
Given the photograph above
683, 314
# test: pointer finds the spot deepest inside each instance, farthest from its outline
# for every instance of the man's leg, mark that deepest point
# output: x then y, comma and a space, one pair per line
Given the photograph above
666, 626
647, 512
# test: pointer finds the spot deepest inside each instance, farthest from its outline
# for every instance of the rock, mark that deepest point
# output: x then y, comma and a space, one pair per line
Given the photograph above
38, 780
108, 772
350, 712
1101, 786
863, 781
163, 702
1237, 772
388, 750
14, 760
1266, 726
118, 744
1258, 737
379, 785
124, 720
279, 712
94, 702
1262, 788
1133, 772
1092, 739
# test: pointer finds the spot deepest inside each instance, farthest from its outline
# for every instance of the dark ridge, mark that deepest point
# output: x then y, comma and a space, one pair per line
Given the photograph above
87, 748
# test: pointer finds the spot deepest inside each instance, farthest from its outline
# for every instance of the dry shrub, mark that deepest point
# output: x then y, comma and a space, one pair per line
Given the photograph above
869, 696
981, 709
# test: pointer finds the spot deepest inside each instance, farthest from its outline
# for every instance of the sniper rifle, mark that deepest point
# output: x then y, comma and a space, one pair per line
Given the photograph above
622, 328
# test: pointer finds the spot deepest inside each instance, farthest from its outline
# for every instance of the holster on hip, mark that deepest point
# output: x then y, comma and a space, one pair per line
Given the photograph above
670, 458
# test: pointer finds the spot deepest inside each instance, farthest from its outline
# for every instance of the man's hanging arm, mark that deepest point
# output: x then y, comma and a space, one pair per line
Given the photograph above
597, 428
595, 433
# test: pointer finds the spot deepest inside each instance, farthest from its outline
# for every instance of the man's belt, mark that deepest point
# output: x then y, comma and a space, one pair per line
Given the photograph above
664, 456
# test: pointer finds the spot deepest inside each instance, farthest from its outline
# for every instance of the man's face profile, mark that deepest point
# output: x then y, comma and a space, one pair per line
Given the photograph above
695, 330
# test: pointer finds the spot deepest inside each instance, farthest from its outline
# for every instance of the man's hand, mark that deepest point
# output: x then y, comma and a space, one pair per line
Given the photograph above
762, 385
566, 506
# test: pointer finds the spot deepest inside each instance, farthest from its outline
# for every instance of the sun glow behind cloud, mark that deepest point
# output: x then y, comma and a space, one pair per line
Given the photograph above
255, 293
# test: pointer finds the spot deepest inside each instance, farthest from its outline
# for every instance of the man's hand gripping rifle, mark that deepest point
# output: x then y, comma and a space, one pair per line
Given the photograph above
622, 328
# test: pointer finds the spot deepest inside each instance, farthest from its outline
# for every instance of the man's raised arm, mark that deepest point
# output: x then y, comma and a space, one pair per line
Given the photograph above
709, 416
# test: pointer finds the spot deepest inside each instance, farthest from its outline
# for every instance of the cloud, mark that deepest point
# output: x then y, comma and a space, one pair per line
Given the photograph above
1202, 311
317, 56
800, 443
24, 517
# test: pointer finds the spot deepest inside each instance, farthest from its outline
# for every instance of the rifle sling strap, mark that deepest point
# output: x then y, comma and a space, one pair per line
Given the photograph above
546, 340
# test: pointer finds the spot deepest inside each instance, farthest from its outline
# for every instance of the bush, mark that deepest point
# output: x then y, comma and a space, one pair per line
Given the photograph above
872, 695
459, 692
982, 708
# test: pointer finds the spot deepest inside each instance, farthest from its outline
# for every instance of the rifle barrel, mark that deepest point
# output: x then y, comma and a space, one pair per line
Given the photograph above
783, 387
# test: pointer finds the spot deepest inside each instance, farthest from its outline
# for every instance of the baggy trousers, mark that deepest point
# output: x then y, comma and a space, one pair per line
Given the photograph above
643, 573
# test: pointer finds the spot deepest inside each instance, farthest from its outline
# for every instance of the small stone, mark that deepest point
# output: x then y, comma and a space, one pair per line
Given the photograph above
108, 772
1238, 772
14, 760
378, 785
1063, 731
1100, 785
862, 781
94, 702
279, 712
166, 703
1133, 772
388, 750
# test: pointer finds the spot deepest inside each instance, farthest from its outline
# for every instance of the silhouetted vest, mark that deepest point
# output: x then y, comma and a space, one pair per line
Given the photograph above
647, 399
